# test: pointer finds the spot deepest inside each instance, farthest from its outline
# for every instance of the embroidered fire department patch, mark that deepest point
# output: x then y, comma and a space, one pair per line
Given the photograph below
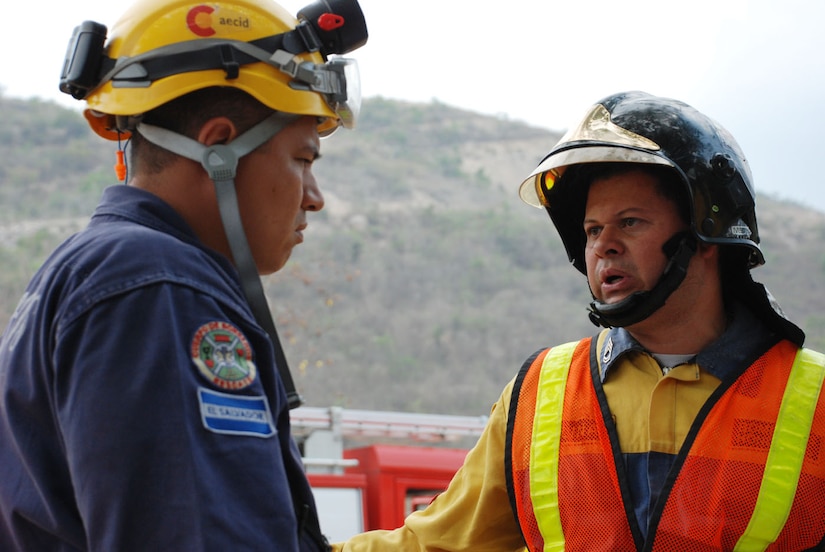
223, 356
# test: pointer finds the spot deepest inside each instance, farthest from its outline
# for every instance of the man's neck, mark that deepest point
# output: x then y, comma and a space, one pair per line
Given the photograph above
679, 335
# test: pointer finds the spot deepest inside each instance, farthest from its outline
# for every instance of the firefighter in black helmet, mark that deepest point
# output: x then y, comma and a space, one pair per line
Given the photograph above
692, 420
716, 194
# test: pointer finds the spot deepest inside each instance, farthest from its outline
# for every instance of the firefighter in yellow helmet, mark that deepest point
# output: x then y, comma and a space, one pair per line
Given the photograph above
694, 419
145, 395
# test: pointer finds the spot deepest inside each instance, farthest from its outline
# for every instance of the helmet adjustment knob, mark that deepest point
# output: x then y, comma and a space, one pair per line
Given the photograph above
722, 167
707, 226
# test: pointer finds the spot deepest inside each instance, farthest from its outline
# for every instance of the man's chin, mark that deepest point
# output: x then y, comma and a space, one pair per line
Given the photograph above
273, 266
612, 299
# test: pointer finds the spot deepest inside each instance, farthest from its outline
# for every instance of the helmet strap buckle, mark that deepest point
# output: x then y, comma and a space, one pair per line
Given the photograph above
230, 64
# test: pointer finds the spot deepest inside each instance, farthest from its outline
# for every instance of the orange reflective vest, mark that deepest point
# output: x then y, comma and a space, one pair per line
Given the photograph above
751, 473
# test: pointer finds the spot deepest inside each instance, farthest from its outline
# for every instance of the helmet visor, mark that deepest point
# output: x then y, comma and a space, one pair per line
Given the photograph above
596, 139
339, 81
541, 180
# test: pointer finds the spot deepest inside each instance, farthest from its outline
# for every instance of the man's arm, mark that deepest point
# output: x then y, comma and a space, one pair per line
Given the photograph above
473, 514
151, 465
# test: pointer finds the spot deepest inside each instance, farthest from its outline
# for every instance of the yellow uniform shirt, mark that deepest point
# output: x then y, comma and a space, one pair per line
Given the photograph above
653, 412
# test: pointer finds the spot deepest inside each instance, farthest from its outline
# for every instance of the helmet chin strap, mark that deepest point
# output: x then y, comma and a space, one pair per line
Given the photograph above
221, 163
632, 309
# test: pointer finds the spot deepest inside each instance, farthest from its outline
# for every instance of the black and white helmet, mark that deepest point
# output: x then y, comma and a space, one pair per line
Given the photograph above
639, 128
635, 127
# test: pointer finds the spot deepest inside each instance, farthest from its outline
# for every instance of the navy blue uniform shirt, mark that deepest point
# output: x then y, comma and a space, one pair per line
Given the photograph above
140, 407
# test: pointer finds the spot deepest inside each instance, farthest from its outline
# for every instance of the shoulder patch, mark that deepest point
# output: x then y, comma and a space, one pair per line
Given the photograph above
235, 414
223, 356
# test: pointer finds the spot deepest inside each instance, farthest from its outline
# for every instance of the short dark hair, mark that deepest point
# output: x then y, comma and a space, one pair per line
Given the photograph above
186, 115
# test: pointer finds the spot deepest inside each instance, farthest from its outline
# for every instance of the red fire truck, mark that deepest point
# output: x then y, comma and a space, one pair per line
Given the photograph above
370, 469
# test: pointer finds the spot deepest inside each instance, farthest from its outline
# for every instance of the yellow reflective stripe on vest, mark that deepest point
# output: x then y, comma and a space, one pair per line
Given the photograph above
544, 465
787, 453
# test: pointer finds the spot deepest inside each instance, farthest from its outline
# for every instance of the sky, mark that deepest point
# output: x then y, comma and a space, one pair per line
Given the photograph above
755, 66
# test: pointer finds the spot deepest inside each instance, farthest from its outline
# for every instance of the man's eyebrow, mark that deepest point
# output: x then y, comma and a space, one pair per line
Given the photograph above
628, 211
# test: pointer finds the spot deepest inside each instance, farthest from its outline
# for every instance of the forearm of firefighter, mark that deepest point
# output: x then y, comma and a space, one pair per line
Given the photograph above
472, 514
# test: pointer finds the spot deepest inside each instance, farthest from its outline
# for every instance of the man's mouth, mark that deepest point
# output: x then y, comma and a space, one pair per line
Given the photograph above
614, 283
611, 276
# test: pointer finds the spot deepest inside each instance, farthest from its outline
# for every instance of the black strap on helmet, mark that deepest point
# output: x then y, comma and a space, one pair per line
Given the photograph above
679, 249
221, 54
87, 66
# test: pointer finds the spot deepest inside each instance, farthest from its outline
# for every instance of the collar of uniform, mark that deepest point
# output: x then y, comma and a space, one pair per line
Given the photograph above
744, 340
617, 342
143, 207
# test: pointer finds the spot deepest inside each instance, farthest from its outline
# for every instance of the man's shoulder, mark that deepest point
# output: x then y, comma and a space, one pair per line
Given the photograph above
561, 347
115, 258
125, 247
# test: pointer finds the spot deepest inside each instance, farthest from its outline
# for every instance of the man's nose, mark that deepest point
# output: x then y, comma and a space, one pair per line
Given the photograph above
608, 242
313, 198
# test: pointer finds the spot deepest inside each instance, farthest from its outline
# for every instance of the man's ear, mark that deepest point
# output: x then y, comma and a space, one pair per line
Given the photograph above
218, 130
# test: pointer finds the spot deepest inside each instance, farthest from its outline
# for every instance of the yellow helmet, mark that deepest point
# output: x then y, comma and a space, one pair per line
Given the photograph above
160, 50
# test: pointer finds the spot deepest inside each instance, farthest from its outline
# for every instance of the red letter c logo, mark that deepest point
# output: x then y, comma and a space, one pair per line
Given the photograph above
199, 21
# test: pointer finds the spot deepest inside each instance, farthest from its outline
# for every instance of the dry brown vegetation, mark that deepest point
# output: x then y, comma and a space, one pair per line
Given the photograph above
424, 283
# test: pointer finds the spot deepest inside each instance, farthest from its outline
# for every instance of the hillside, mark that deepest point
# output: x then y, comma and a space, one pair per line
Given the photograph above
424, 283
